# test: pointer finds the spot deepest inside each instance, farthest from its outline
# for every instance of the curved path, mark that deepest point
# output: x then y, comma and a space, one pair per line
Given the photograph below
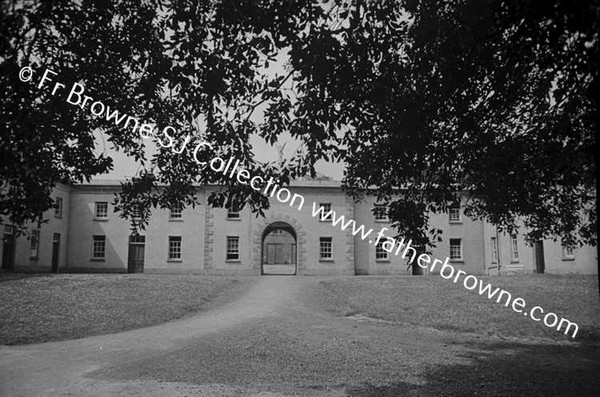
58, 368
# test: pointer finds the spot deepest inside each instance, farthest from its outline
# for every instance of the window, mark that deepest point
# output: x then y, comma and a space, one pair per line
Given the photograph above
380, 213
137, 239
325, 248
568, 253
174, 248
101, 210
35, 243
233, 213
233, 248
454, 215
175, 212
98, 247
325, 215
58, 207
514, 248
456, 249
380, 253
494, 242
136, 211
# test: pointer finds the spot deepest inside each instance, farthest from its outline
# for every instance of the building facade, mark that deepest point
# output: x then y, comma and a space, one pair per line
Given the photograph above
85, 235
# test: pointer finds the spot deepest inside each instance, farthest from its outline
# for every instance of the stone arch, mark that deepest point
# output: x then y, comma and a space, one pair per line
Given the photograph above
257, 241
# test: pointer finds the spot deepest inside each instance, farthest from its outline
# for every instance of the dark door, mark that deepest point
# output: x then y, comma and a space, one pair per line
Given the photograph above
135, 261
539, 257
55, 251
416, 269
8, 249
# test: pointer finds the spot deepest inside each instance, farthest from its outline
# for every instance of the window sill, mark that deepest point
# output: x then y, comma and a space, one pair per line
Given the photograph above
98, 260
326, 260
459, 261
175, 260
382, 260
175, 220
234, 219
459, 222
233, 261
325, 220
101, 219
382, 221
34, 258
514, 261
568, 259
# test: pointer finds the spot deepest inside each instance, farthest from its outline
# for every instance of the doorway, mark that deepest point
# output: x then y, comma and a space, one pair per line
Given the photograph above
135, 259
8, 248
540, 265
55, 251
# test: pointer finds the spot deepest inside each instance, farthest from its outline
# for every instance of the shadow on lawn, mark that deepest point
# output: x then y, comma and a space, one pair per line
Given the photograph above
506, 369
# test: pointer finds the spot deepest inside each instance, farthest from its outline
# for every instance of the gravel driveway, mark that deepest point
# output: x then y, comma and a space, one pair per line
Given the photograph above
276, 340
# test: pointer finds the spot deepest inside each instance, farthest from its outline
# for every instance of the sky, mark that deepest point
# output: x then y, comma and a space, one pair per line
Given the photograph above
126, 167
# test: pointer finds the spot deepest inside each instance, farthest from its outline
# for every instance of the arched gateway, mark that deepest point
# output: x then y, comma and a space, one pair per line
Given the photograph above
279, 249
260, 252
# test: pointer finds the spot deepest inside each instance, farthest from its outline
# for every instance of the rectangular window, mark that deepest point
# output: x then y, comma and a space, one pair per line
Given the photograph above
494, 242
454, 215
35, 243
137, 239
58, 207
568, 253
174, 248
233, 248
380, 213
175, 212
98, 247
514, 248
380, 253
233, 213
456, 249
101, 210
326, 248
325, 215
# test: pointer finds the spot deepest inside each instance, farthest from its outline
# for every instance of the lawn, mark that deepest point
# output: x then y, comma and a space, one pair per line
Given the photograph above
393, 336
440, 304
58, 307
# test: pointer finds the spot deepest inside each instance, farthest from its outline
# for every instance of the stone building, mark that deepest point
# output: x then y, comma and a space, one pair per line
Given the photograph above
85, 235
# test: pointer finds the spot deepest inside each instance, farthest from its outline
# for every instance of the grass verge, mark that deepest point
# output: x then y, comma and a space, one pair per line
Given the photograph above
441, 304
68, 306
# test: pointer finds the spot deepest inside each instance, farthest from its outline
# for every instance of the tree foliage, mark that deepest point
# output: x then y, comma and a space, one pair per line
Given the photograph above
481, 101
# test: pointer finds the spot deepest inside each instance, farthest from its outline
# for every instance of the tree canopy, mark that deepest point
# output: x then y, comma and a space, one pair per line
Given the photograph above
488, 102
